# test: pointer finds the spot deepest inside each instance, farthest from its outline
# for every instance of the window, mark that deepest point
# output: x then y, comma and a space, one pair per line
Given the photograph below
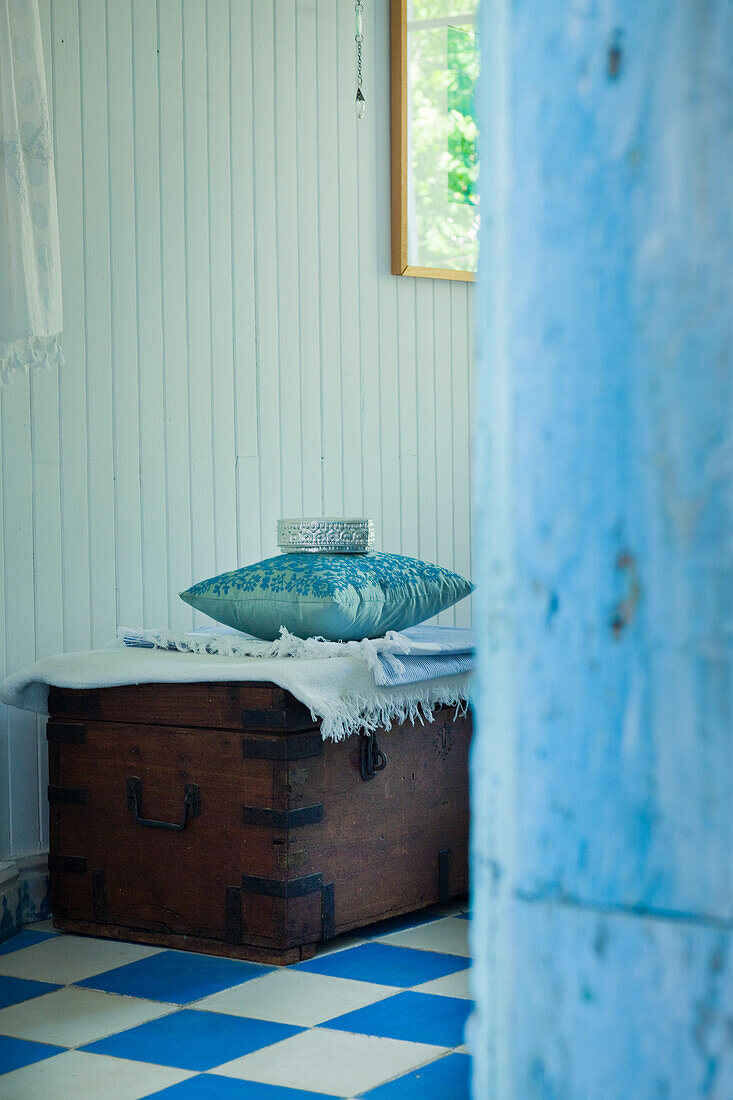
435, 199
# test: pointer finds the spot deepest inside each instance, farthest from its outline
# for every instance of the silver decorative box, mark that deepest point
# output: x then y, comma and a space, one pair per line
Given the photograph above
325, 536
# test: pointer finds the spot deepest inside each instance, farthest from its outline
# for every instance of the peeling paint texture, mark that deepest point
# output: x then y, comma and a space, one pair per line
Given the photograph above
602, 850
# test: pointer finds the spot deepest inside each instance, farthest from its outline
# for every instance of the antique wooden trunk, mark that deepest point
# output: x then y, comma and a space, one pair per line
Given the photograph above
213, 817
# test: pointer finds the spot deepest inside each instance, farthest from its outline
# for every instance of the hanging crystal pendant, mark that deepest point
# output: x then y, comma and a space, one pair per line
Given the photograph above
359, 38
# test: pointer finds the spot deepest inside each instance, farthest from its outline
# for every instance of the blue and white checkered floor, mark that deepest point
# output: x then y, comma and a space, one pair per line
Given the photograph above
380, 1015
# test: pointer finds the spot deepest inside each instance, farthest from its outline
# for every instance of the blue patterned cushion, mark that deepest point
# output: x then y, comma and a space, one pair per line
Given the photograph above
342, 597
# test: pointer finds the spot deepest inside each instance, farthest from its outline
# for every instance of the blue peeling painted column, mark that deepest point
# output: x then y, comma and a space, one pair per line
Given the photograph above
603, 768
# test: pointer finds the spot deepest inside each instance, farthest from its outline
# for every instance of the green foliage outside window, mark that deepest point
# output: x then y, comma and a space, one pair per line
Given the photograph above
444, 202
462, 76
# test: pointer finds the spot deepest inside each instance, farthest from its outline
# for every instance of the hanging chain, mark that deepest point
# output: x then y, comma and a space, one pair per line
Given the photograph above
359, 38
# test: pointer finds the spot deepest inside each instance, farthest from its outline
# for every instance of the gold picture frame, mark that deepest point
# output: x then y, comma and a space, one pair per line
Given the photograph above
400, 152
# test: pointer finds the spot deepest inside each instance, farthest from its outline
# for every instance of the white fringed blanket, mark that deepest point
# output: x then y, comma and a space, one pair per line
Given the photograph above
417, 653
340, 690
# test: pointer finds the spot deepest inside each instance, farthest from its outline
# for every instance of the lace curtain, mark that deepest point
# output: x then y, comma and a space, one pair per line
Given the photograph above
30, 277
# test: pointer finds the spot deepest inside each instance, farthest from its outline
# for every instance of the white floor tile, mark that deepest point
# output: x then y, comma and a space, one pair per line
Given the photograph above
454, 907
450, 935
66, 959
87, 1077
295, 997
334, 1062
72, 1017
41, 926
451, 985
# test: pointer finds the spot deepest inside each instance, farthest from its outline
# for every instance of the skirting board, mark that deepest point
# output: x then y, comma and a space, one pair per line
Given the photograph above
24, 895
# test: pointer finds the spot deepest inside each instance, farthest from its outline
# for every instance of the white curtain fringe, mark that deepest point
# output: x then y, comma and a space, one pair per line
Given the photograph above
30, 266
37, 352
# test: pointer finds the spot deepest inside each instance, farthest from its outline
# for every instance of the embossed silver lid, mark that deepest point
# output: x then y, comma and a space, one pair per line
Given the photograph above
325, 535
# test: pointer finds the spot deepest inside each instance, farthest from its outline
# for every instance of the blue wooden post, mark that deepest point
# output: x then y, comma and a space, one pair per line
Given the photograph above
603, 770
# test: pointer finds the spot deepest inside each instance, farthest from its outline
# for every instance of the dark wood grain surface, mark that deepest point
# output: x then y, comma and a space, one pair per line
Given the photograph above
291, 845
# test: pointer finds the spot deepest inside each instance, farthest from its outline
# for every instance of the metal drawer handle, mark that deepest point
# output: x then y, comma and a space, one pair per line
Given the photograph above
372, 760
191, 805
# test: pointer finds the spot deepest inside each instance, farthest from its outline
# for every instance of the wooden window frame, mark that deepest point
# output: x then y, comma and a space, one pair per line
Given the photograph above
398, 103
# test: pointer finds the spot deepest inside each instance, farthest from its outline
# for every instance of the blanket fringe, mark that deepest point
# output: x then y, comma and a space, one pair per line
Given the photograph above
353, 713
368, 713
224, 643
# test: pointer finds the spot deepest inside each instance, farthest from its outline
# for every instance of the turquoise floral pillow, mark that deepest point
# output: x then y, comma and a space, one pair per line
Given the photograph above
342, 597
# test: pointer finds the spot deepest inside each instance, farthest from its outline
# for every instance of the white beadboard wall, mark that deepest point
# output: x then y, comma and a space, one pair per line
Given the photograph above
236, 347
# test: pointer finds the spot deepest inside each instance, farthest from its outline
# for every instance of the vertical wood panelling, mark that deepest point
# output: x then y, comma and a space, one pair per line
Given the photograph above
5, 792
236, 347
75, 552
443, 431
49, 628
243, 321
348, 250
406, 368
171, 202
220, 285
198, 276
148, 304
286, 252
19, 608
368, 305
287, 173
424, 376
327, 182
311, 428
461, 359
97, 328
266, 284
49, 624
388, 379
123, 287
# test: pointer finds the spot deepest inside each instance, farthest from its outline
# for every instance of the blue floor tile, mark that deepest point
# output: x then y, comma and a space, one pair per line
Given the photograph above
25, 938
193, 1040
177, 977
385, 965
15, 990
208, 1087
414, 1017
16, 1053
448, 1077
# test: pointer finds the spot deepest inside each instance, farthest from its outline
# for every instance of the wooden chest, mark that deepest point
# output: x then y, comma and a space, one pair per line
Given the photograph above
213, 817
